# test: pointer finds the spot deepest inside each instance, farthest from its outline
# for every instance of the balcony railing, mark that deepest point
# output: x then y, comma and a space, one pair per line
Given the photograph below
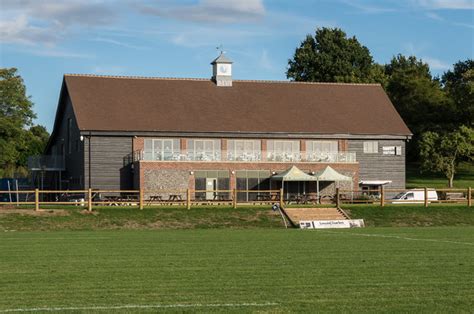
250, 156
46, 162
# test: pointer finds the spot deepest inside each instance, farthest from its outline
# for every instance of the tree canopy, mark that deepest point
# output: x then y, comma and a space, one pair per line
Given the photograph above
19, 138
444, 152
331, 56
459, 85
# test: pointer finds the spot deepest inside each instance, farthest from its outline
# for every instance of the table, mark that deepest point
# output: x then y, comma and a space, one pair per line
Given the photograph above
154, 198
175, 197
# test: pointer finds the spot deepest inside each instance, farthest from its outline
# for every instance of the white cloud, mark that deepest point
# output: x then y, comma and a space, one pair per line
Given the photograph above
446, 4
46, 22
265, 61
436, 64
210, 11
365, 7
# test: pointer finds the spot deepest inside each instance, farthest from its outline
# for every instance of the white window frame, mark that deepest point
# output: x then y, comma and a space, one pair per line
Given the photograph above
371, 147
210, 153
242, 154
392, 150
157, 149
310, 146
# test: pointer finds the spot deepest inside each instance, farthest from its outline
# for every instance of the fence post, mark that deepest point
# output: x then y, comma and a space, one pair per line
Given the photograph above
89, 199
382, 196
337, 198
281, 198
426, 197
140, 198
234, 198
469, 197
188, 199
36, 199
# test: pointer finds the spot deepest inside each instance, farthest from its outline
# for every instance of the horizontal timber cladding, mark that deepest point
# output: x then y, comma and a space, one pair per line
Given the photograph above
107, 167
377, 166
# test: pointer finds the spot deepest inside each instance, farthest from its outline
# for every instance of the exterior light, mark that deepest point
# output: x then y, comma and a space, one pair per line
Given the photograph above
191, 172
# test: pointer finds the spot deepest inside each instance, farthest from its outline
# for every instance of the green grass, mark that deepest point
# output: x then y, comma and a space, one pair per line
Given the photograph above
412, 215
110, 217
218, 217
464, 178
365, 270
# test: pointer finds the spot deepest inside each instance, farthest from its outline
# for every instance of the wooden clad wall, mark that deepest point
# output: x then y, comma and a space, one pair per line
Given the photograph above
107, 167
378, 166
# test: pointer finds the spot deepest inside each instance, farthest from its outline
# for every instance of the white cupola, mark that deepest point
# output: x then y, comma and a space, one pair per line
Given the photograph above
222, 70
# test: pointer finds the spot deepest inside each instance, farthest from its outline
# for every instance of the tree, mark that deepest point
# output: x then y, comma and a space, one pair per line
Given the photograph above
418, 98
330, 56
459, 85
18, 137
443, 153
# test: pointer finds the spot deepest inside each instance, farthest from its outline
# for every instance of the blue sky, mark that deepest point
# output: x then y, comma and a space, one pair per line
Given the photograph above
45, 39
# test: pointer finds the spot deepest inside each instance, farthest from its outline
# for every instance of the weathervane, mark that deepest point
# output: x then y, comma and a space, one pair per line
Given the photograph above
221, 48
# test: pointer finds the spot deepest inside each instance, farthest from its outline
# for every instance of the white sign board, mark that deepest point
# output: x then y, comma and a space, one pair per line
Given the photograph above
330, 224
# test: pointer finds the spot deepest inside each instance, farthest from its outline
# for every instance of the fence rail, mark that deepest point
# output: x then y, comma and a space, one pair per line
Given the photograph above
191, 197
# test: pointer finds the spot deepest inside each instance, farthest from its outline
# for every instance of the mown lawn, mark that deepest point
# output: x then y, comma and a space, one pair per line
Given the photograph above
464, 178
217, 217
253, 270
414, 215
54, 218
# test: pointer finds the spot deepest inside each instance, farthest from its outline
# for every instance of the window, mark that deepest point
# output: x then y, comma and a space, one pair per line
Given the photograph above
204, 149
392, 150
162, 149
283, 150
245, 150
212, 184
258, 180
318, 150
371, 147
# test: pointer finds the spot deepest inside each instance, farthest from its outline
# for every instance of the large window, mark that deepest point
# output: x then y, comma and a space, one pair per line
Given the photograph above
212, 184
371, 147
162, 149
323, 151
243, 150
278, 150
251, 180
204, 149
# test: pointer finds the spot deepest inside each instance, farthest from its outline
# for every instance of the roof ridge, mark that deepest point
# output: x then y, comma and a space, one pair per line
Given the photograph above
206, 79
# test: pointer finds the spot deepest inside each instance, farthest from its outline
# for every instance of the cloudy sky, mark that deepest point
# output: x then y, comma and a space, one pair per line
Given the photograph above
45, 39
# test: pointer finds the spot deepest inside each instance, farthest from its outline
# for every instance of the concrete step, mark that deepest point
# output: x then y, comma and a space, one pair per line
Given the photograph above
300, 214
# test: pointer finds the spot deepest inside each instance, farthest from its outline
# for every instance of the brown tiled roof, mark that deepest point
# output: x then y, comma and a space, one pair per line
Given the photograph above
106, 103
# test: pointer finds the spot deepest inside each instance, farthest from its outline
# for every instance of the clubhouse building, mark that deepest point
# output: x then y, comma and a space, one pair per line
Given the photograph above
114, 132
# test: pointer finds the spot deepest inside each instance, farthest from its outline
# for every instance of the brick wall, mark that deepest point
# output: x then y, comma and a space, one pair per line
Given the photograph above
179, 173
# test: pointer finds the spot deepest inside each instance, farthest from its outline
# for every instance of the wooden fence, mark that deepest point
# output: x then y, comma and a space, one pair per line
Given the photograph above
141, 198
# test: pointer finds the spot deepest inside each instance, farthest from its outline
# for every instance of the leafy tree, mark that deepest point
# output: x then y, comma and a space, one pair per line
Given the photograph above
444, 152
418, 98
330, 56
459, 85
18, 137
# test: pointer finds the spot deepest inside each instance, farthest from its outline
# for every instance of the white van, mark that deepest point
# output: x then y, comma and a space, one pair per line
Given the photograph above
414, 196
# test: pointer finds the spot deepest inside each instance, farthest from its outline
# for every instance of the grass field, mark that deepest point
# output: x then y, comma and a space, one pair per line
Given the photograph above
129, 218
225, 270
464, 178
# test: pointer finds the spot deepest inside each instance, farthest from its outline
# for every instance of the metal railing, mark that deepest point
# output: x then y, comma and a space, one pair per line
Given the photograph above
46, 162
247, 156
